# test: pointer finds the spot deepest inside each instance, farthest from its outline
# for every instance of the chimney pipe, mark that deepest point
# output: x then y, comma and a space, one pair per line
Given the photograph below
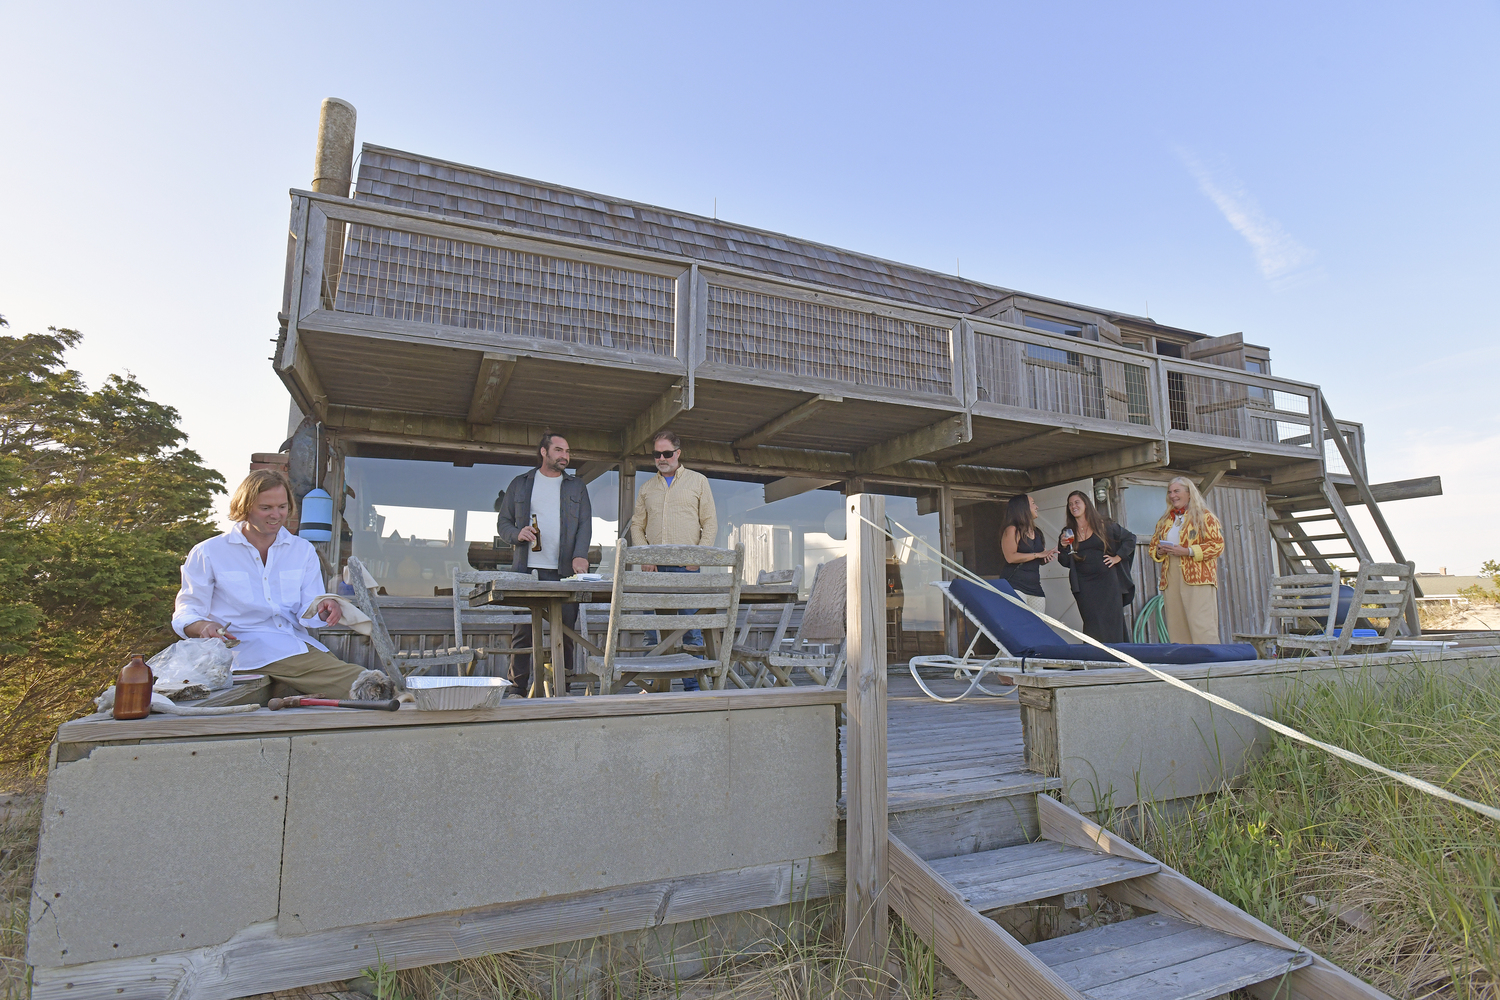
333, 164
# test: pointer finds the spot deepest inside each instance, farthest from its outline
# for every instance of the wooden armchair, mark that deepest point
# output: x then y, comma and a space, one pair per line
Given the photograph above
642, 601
401, 664
1304, 611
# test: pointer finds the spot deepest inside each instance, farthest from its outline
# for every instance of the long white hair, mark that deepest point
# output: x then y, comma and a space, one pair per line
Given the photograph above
1197, 511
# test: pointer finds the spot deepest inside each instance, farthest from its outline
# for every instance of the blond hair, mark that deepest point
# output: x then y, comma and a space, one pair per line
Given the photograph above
253, 486
1197, 513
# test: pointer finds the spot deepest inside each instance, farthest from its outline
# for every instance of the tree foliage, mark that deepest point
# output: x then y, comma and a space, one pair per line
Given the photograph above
1479, 592
101, 504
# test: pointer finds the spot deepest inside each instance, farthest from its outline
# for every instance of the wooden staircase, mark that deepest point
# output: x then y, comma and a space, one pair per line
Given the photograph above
1312, 527
1191, 945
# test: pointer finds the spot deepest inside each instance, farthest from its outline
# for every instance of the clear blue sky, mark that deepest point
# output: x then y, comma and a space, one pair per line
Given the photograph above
1321, 177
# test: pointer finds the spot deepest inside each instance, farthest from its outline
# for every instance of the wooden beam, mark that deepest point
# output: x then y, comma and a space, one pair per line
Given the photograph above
1170, 892
1212, 472
957, 429
455, 433
866, 926
302, 381
258, 960
1108, 463
979, 951
590, 471
418, 431
656, 418
789, 419
494, 375
1404, 489
791, 486
992, 451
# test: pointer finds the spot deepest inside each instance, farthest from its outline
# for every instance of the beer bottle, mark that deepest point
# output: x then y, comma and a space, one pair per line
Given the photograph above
536, 546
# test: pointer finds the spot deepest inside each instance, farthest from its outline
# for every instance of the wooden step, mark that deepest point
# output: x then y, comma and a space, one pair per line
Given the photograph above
989, 880
1157, 957
1330, 516
1317, 498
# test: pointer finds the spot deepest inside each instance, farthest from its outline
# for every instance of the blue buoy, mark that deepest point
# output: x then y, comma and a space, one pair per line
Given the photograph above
317, 516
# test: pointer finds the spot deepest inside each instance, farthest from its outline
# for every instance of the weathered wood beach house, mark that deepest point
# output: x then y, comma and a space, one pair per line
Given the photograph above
447, 315
436, 319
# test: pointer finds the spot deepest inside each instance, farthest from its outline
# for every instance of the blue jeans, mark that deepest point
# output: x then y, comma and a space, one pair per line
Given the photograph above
693, 636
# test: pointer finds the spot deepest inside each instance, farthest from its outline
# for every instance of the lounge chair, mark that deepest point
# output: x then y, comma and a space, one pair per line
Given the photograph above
1021, 638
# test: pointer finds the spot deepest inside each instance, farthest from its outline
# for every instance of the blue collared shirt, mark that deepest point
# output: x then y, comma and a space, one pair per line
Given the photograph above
224, 581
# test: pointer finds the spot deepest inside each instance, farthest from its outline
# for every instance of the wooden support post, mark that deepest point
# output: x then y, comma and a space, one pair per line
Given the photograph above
627, 496
865, 920
949, 530
336, 482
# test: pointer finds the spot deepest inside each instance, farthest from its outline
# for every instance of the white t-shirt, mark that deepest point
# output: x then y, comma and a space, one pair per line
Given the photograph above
1174, 533
546, 504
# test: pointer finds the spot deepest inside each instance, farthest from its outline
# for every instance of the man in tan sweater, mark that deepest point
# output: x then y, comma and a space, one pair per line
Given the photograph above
675, 507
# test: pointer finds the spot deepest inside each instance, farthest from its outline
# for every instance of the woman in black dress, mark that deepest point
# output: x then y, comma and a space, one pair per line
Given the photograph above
1024, 550
1091, 548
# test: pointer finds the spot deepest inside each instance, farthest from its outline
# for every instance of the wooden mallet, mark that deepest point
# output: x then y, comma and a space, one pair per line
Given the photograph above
307, 701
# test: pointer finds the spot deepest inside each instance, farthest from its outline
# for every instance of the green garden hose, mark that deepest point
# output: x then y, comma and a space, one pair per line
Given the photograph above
1154, 611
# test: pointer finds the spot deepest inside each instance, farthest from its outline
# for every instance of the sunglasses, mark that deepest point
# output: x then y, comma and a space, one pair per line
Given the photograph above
666, 454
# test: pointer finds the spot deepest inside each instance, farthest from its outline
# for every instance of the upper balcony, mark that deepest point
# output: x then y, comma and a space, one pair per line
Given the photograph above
410, 330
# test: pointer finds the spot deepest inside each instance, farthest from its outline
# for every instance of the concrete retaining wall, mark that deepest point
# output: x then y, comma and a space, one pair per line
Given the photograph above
1118, 736
230, 862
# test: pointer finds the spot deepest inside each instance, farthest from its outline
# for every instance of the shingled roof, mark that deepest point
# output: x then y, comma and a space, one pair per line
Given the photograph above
406, 180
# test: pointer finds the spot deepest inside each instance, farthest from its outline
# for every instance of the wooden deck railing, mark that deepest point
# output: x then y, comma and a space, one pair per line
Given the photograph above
375, 270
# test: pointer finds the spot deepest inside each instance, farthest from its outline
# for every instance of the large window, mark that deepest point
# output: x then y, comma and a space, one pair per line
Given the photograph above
1144, 504
1259, 368
805, 530
1053, 354
414, 522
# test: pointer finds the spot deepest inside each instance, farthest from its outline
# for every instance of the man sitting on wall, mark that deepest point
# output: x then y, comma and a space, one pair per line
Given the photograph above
256, 579
559, 506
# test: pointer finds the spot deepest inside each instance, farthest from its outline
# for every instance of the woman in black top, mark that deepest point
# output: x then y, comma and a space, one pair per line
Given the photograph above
1091, 548
1024, 551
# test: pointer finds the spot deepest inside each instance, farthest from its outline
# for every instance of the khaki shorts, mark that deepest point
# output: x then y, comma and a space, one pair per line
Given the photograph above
312, 672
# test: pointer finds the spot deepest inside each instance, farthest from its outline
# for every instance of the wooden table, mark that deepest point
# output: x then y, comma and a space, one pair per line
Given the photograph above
545, 600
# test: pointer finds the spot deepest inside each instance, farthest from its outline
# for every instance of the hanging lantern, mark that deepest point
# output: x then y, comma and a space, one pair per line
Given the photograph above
317, 516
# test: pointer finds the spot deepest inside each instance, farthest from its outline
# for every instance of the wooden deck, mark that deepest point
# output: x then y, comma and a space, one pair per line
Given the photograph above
941, 753
957, 777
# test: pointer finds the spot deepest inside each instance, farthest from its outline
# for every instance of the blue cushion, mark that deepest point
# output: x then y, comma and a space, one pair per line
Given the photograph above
1016, 628
1024, 634
1178, 653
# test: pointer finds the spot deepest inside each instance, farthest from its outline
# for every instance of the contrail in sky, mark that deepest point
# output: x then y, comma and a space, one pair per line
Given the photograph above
1281, 259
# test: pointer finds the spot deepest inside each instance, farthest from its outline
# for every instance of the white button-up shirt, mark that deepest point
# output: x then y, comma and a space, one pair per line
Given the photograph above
224, 581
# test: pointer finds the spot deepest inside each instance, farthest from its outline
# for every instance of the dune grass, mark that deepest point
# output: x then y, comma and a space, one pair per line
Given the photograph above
797, 956
20, 822
1394, 885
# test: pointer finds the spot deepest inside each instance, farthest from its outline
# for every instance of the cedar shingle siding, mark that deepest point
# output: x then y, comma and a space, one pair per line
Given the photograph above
404, 180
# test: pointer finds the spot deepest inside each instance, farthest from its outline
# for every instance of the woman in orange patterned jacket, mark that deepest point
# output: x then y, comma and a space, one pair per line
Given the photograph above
1188, 542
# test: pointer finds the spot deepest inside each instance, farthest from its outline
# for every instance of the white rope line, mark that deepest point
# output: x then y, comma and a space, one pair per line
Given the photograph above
1271, 724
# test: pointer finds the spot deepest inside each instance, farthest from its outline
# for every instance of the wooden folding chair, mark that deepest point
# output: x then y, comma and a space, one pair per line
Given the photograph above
399, 664
822, 627
641, 601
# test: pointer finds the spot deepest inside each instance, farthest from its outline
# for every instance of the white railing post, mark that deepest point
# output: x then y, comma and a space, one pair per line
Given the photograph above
865, 919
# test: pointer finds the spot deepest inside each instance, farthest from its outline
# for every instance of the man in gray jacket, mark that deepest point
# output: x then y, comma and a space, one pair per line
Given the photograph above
558, 506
